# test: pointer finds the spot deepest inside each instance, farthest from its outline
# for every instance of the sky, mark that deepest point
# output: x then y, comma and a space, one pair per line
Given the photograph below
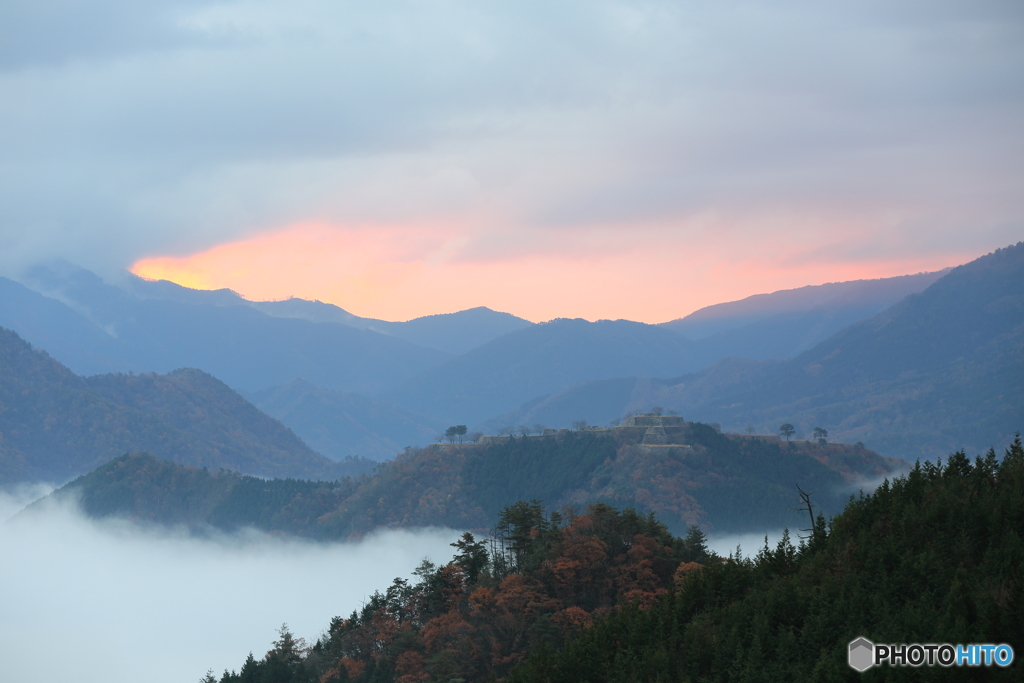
112, 602
551, 159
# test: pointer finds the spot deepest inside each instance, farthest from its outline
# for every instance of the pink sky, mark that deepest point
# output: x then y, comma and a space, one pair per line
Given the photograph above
597, 160
403, 272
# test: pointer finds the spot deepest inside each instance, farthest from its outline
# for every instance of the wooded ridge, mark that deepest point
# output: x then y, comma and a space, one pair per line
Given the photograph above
719, 482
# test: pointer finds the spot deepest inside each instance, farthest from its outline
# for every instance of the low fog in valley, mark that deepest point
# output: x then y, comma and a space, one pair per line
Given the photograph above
748, 544
110, 601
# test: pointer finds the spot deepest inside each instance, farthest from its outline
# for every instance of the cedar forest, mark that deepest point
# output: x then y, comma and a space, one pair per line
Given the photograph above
610, 595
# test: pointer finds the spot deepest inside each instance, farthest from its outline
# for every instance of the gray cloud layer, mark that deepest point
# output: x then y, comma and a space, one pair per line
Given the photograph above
137, 128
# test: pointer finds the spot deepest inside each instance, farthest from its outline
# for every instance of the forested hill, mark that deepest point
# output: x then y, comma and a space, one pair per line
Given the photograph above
936, 557
719, 482
608, 596
55, 425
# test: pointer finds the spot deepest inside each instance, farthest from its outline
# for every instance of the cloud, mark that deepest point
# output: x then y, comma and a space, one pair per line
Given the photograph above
109, 602
864, 136
399, 272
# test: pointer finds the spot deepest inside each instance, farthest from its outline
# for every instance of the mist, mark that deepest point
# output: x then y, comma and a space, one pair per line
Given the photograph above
112, 601
868, 486
749, 543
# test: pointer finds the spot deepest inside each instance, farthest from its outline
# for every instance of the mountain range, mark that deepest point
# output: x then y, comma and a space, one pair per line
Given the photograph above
939, 371
518, 366
350, 385
241, 346
785, 323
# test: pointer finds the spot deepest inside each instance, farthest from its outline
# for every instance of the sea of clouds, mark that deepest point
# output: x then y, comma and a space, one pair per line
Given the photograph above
112, 601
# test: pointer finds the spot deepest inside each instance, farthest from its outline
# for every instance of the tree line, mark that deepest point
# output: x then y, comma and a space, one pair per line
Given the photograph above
610, 595
538, 579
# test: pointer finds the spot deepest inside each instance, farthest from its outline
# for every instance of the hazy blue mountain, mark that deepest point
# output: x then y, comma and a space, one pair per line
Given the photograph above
502, 374
242, 346
53, 325
778, 325
836, 296
171, 291
458, 332
517, 373
339, 424
453, 333
939, 371
599, 402
313, 311
785, 323
55, 424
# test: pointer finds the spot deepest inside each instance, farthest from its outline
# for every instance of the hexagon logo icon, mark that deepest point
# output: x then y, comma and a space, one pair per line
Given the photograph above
862, 654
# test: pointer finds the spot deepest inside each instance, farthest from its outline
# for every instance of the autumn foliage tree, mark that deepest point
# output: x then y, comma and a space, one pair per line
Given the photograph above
934, 556
539, 579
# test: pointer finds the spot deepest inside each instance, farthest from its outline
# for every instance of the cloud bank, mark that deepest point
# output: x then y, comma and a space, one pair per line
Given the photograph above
568, 156
110, 602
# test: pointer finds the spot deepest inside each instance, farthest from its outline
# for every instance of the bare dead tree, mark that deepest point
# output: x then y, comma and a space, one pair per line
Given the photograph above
805, 499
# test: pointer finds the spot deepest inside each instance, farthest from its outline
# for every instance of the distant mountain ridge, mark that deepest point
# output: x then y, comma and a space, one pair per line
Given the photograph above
501, 375
241, 346
498, 376
56, 424
785, 323
65, 333
939, 371
505, 372
452, 333
873, 294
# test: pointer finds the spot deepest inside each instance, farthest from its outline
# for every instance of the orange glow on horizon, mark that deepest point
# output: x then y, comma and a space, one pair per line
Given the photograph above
404, 272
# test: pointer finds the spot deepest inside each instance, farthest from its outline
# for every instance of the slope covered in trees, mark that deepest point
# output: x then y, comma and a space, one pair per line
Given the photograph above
538, 580
150, 490
933, 557
719, 482
56, 424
